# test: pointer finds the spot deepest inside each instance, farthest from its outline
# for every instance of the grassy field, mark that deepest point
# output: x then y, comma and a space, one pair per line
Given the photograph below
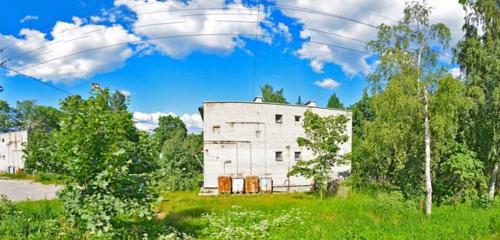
354, 216
44, 178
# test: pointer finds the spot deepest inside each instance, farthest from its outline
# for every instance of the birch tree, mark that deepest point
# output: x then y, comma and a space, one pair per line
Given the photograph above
478, 54
411, 47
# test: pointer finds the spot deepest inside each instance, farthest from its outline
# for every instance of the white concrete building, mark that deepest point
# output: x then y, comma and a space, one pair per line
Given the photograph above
260, 139
11, 150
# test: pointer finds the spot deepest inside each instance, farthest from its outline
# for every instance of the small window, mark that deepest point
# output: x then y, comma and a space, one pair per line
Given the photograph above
279, 156
257, 133
278, 118
298, 156
297, 118
216, 129
3, 140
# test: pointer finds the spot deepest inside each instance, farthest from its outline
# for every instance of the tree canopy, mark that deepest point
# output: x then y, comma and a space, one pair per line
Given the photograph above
271, 96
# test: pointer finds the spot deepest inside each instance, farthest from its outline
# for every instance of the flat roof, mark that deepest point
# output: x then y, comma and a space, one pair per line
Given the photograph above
279, 104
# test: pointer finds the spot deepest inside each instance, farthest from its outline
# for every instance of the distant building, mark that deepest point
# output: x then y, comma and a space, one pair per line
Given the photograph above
11, 151
260, 139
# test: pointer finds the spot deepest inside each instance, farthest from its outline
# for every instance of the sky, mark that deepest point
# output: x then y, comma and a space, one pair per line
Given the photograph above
170, 56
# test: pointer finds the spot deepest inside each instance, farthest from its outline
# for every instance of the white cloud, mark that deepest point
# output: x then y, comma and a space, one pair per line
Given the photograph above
373, 12
125, 93
328, 83
455, 72
215, 17
34, 54
149, 121
28, 18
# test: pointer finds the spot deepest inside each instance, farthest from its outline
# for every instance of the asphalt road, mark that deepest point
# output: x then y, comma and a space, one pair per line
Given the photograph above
20, 190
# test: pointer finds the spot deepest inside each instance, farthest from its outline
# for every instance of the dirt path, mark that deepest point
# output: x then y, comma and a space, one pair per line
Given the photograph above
19, 190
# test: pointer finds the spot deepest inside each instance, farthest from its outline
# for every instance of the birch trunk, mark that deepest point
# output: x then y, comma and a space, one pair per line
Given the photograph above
428, 180
493, 181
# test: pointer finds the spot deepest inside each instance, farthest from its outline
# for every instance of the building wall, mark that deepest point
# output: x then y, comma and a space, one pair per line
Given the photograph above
242, 138
11, 149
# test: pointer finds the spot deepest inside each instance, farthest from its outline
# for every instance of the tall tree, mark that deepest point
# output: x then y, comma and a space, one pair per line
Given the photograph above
362, 112
118, 101
6, 117
334, 102
412, 45
478, 54
271, 96
107, 162
324, 135
169, 127
299, 101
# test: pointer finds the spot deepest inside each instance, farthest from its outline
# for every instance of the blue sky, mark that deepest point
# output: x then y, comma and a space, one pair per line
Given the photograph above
177, 75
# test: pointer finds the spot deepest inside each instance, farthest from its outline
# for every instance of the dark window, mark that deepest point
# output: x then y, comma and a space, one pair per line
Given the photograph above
278, 118
279, 156
297, 118
298, 156
3, 140
216, 129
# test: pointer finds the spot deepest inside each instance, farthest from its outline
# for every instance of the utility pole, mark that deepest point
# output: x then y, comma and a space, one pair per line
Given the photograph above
2, 64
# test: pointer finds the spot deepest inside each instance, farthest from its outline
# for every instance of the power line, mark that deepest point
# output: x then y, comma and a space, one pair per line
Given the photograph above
36, 79
256, 48
88, 34
337, 35
314, 11
140, 14
340, 47
135, 41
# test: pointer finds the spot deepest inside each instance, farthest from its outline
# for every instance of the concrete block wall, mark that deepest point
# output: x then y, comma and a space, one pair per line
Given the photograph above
242, 138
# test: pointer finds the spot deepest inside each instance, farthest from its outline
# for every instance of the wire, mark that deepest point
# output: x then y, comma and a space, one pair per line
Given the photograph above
340, 47
255, 49
135, 41
313, 11
37, 79
88, 34
337, 35
137, 14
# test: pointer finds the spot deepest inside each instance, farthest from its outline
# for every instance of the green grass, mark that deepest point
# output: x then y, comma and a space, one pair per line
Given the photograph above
354, 216
44, 178
358, 216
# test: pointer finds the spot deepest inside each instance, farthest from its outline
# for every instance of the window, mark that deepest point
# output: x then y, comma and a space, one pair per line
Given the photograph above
297, 118
297, 156
279, 156
3, 140
278, 118
216, 129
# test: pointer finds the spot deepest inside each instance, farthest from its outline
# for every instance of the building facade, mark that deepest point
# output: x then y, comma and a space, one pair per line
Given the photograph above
244, 139
11, 151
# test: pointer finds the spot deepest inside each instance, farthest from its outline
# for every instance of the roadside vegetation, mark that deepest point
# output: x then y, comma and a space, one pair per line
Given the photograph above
425, 156
185, 215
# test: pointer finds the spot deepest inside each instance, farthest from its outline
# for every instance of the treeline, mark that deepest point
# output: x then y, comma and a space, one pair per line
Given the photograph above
421, 131
177, 153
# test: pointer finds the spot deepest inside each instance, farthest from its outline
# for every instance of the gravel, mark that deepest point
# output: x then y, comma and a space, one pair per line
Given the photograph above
20, 190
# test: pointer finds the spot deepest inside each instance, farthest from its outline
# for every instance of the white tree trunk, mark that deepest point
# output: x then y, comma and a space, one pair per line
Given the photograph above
428, 180
493, 181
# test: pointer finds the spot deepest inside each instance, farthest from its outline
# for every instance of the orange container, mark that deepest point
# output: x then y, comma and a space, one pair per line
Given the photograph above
252, 184
224, 184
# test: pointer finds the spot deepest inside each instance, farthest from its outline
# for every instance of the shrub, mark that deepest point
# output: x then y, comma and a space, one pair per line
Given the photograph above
239, 223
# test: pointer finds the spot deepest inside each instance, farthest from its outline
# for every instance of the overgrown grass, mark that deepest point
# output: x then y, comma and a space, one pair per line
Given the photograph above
45, 178
357, 216
354, 216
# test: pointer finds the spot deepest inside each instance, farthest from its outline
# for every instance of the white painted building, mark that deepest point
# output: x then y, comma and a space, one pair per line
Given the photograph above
11, 150
260, 139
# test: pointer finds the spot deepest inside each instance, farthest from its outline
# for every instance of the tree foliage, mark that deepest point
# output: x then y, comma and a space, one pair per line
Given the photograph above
107, 163
324, 136
478, 54
334, 102
271, 96
392, 149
